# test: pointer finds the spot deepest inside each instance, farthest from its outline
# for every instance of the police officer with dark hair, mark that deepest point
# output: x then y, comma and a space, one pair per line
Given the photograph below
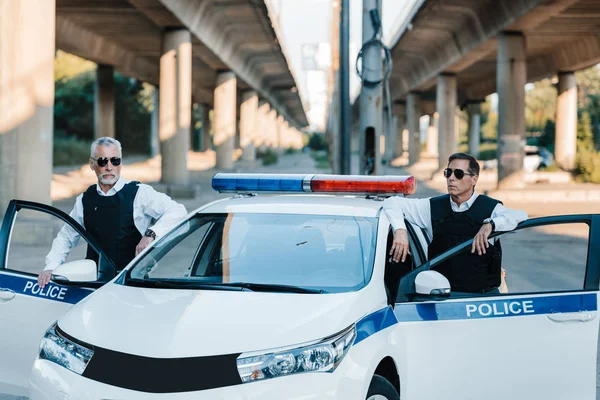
454, 218
117, 213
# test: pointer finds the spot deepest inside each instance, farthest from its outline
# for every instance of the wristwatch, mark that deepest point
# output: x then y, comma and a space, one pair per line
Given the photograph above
150, 233
491, 222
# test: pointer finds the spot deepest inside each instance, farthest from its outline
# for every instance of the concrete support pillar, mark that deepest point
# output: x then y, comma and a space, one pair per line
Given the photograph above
393, 138
446, 109
175, 105
248, 124
104, 102
399, 139
224, 123
511, 77
199, 142
474, 110
280, 129
413, 113
432, 136
27, 35
207, 138
272, 118
384, 138
154, 124
260, 140
566, 121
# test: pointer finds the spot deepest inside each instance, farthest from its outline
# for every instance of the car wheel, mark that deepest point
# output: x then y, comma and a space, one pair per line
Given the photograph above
381, 389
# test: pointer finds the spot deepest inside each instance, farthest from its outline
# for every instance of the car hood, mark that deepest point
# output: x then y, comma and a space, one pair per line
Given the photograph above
169, 323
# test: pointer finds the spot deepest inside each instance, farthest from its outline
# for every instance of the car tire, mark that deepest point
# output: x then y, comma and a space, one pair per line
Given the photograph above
381, 389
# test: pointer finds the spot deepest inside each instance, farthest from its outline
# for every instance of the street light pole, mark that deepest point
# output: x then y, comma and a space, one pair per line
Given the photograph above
345, 122
371, 94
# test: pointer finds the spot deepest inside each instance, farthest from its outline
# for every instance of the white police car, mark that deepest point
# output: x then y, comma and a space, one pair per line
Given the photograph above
291, 296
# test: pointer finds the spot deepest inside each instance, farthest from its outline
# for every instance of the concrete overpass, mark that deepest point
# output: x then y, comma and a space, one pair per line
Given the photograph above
455, 52
225, 55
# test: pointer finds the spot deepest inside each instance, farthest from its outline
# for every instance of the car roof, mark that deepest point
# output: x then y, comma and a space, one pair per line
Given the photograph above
297, 204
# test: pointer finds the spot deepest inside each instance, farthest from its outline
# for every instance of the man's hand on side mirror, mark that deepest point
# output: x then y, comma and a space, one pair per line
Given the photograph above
44, 278
400, 247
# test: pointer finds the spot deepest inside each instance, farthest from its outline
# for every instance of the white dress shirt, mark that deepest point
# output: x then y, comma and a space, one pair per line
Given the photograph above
147, 205
418, 212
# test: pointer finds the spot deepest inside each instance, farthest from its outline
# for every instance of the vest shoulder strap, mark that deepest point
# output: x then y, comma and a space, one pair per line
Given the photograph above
440, 207
90, 191
483, 207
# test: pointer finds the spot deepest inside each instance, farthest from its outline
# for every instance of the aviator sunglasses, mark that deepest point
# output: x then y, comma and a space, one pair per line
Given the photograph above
458, 173
102, 161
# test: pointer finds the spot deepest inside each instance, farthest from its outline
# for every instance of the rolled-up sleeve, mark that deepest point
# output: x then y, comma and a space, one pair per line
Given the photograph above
161, 208
66, 239
416, 211
507, 219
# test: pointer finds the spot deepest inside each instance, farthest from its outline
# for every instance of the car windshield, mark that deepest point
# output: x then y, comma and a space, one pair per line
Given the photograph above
316, 253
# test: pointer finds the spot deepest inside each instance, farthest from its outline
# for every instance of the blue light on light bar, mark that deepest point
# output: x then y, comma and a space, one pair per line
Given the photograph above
233, 183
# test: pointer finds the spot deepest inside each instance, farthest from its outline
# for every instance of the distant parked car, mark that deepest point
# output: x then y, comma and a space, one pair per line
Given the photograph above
536, 158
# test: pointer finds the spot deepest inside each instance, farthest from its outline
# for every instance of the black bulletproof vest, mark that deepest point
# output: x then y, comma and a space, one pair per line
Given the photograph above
467, 272
109, 219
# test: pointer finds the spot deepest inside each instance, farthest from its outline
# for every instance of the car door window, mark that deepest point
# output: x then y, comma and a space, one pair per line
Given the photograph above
31, 239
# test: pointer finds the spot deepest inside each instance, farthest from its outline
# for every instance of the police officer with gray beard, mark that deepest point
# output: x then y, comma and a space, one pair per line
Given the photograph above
117, 213
452, 219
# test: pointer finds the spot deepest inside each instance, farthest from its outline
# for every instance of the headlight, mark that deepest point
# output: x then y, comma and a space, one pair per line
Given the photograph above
321, 356
64, 352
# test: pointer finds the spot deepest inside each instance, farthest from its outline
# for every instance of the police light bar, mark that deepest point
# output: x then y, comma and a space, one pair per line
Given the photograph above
310, 183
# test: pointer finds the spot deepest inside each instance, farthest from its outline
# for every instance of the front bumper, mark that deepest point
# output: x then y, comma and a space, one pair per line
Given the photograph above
50, 381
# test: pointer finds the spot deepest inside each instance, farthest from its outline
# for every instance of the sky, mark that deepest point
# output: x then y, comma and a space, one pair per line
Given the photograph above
308, 22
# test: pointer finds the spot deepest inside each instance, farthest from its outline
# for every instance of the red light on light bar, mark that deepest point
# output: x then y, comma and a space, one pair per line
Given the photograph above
363, 184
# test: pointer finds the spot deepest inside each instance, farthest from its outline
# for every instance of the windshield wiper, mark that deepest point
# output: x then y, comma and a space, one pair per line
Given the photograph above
176, 284
269, 287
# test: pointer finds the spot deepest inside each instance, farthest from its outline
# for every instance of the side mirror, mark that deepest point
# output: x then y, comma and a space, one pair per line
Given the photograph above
432, 283
76, 271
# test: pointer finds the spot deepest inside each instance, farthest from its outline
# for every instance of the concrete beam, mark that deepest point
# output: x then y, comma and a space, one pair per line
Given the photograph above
454, 45
579, 55
201, 20
74, 39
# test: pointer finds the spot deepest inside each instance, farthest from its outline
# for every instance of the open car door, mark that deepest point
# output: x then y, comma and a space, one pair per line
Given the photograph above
26, 310
537, 340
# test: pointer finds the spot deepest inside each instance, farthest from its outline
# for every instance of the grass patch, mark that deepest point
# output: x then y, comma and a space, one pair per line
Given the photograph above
269, 157
321, 159
487, 150
70, 150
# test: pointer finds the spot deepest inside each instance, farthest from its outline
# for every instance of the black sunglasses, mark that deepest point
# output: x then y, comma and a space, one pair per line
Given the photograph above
458, 173
102, 161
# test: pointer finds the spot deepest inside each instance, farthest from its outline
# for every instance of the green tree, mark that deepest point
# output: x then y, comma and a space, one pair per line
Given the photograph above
588, 93
540, 107
587, 160
489, 130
